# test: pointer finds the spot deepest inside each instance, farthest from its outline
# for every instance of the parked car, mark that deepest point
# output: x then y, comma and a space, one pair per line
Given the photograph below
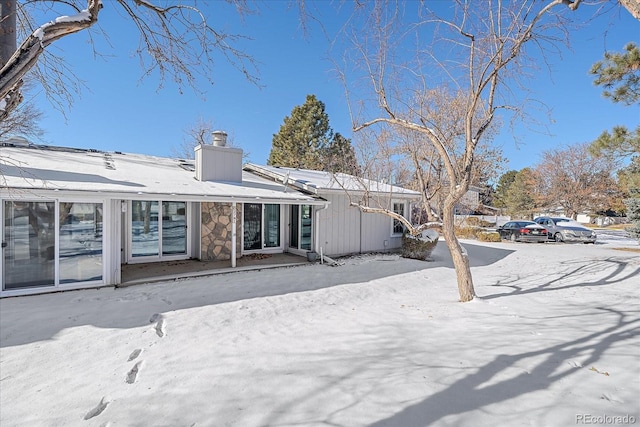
563, 229
523, 231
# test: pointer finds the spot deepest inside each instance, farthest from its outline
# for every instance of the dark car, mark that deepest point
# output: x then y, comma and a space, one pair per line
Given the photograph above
563, 229
523, 231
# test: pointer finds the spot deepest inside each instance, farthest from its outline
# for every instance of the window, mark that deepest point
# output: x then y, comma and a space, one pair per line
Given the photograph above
158, 229
300, 227
80, 242
398, 227
261, 226
51, 243
29, 233
252, 226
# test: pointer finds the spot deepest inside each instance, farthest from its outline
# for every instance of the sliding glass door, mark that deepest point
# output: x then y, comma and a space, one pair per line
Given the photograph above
261, 226
174, 228
158, 229
29, 240
300, 227
51, 243
80, 242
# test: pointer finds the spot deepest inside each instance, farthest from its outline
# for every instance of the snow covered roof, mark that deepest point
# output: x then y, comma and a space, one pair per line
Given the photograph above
120, 175
317, 182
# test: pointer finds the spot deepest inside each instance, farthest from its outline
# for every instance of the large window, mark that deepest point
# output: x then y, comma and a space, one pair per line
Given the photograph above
261, 224
80, 242
300, 227
38, 245
271, 226
158, 229
144, 229
29, 235
252, 226
174, 225
398, 227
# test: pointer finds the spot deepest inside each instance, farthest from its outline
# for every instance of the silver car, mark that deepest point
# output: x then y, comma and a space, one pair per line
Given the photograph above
563, 229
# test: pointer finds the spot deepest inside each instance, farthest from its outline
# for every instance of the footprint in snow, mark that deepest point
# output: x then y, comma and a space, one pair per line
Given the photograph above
160, 328
132, 375
98, 409
160, 325
134, 354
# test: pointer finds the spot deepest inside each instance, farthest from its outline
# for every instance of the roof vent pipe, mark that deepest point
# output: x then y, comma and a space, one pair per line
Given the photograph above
219, 138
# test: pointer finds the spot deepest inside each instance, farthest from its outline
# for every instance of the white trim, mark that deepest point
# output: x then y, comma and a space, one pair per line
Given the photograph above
57, 286
234, 215
404, 214
54, 193
265, 250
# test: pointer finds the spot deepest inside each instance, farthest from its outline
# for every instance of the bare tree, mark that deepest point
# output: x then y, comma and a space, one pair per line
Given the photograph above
472, 52
176, 42
633, 6
200, 133
577, 181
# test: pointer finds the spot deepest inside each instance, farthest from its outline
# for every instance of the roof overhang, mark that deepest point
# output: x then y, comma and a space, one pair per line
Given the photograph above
18, 193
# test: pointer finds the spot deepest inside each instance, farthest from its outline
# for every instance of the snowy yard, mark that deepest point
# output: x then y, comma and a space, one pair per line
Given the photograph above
380, 341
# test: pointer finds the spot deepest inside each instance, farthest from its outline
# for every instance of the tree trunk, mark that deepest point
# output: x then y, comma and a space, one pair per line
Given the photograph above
7, 30
458, 255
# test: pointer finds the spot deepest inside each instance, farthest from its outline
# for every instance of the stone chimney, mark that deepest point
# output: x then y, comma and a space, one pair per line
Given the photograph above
217, 162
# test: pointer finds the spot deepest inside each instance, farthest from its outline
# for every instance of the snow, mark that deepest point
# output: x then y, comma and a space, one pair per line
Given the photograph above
312, 180
84, 15
38, 168
379, 341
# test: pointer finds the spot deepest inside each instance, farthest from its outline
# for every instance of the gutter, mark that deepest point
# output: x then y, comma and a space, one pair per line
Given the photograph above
317, 239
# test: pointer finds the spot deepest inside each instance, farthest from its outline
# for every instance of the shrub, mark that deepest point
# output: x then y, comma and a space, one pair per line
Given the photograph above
489, 236
418, 248
473, 221
467, 232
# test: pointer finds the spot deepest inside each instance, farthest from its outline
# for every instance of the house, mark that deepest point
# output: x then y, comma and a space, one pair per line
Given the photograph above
345, 229
72, 218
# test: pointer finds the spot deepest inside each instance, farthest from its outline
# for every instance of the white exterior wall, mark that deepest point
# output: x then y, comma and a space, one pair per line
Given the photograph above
377, 229
112, 241
218, 163
345, 230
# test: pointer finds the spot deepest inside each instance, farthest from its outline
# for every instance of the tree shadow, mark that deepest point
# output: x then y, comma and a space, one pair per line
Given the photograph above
471, 392
133, 306
581, 275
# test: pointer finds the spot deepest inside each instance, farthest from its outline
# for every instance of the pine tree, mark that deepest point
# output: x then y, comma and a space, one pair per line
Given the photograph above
519, 198
621, 73
340, 156
504, 182
303, 137
633, 215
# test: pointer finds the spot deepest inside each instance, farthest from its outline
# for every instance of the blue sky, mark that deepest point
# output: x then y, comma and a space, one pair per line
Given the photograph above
121, 113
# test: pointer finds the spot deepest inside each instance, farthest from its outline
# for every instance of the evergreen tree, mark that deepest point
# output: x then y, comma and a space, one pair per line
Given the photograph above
303, 137
504, 182
621, 72
519, 197
340, 156
633, 215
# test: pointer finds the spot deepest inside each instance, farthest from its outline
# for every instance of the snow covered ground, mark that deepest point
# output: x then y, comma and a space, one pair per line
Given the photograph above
379, 341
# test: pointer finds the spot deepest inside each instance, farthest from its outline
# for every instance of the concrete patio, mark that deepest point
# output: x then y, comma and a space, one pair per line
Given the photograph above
170, 270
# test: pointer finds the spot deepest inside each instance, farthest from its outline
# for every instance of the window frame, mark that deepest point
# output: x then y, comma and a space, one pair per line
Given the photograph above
394, 222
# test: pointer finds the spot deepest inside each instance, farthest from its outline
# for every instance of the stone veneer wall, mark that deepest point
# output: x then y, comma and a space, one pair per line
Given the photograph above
216, 231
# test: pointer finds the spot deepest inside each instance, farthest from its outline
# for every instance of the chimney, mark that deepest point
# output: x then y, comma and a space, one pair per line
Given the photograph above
219, 138
217, 162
